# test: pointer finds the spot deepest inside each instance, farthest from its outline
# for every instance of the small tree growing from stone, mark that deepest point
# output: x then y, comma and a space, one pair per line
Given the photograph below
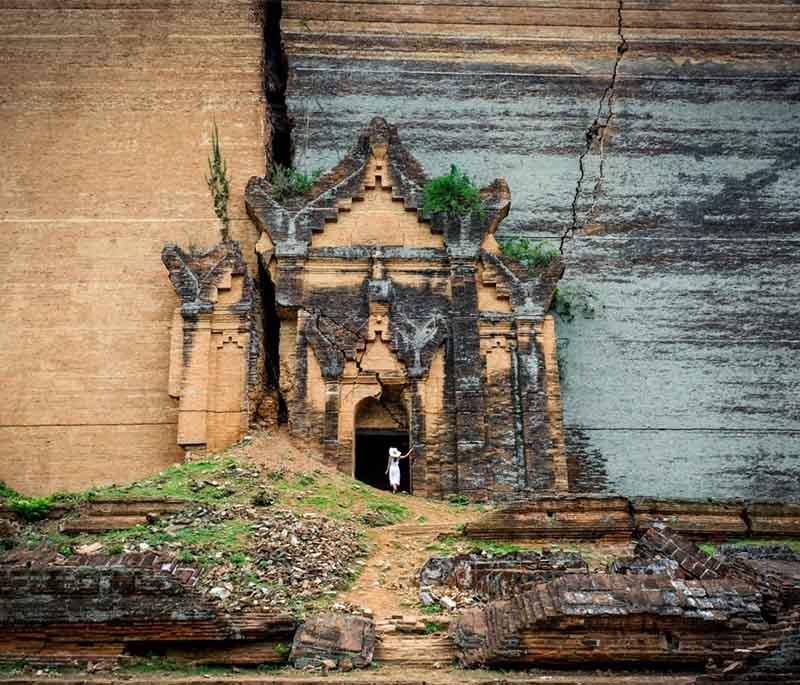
219, 184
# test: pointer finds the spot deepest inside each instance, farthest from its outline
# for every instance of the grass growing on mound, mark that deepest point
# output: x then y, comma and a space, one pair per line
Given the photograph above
206, 544
211, 480
340, 500
450, 544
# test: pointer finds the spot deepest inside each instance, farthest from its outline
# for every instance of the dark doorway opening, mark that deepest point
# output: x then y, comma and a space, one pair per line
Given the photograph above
372, 457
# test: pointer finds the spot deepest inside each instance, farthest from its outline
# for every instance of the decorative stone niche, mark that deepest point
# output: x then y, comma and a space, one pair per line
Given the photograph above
411, 326
216, 360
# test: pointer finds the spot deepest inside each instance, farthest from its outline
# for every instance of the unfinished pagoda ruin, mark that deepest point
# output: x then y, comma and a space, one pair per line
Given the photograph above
382, 325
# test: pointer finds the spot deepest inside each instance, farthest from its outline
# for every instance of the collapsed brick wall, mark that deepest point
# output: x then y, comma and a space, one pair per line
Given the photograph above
580, 619
90, 607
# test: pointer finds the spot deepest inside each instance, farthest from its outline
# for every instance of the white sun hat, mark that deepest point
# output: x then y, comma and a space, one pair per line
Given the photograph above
394, 452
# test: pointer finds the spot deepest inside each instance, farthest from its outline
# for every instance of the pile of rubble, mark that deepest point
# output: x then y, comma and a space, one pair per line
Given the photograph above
477, 577
671, 603
280, 560
290, 559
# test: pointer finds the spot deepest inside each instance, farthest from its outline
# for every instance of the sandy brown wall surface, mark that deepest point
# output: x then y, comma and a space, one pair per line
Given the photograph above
684, 380
106, 108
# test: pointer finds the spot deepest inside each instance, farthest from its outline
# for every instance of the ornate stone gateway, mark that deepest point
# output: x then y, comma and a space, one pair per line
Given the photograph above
400, 326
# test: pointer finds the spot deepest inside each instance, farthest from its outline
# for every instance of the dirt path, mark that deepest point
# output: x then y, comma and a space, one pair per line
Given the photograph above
386, 584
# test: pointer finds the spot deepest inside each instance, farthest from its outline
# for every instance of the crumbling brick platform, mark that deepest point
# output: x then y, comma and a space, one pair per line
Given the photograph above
611, 517
495, 577
95, 607
564, 517
608, 619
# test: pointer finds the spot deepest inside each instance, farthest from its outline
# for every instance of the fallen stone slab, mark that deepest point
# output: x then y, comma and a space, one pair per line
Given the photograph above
612, 619
661, 541
342, 640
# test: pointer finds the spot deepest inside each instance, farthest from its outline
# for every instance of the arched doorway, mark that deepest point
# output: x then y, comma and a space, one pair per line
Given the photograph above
381, 424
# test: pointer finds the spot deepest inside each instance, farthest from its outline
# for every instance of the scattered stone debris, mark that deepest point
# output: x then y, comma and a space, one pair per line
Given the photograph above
468, 579
332, 640
288, 559
635, 566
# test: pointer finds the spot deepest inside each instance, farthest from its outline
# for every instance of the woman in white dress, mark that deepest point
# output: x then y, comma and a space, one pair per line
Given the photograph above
393, 467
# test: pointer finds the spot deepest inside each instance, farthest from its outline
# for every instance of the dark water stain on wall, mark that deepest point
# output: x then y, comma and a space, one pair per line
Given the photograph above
685, 380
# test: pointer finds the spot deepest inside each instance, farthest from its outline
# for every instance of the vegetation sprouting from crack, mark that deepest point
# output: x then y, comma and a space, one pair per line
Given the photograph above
219, 184
597, 131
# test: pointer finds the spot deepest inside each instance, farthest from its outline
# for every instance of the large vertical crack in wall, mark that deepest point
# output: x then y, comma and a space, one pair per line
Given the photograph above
596, 135
275, 72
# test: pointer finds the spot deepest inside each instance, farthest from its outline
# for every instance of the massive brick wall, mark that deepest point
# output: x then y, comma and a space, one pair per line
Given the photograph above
106, 110
683, 383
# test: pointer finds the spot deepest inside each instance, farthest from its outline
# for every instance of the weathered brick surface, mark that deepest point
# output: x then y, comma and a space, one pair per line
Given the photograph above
778, 580
775, 660
613, 619
663, 541
217, 355
379, 299
108, 111
335, 637
590, 517
706, 519
567, 517
56, 609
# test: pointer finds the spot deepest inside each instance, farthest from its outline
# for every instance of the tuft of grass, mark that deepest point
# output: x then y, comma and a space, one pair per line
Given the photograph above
532, 255
434, 608
207, 481
6, 492
453, 193
448, 545
792, 543
432, 627
31, 509
287, 182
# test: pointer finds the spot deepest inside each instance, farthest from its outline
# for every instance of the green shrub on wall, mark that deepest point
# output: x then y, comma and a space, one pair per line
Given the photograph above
453, 193
532, 255
287, 182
